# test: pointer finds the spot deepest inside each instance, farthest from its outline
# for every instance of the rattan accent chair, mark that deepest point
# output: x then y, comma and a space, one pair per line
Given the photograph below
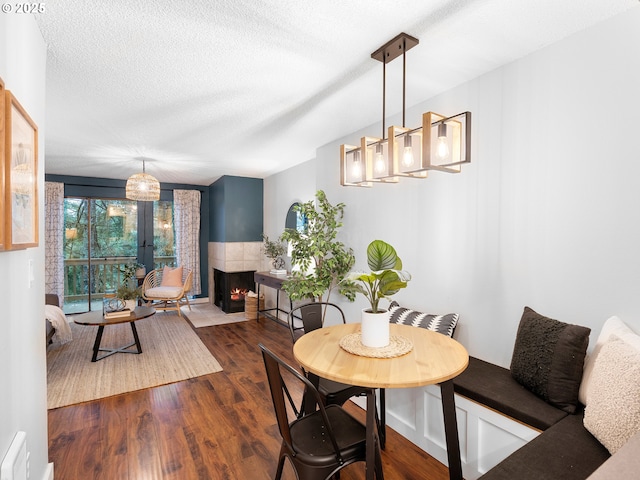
320, 443
166, 297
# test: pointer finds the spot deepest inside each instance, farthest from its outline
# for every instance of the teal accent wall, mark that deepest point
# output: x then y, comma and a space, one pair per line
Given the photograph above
236, 206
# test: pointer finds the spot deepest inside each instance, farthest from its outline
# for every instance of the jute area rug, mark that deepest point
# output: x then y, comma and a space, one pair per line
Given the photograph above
171, 351
207, 315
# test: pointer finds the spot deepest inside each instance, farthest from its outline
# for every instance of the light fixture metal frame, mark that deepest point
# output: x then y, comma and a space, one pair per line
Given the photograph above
368, 146
459, 128
345, 179
395, 133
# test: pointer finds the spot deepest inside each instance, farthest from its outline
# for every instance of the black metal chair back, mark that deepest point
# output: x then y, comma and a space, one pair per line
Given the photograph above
320, 443
313, 315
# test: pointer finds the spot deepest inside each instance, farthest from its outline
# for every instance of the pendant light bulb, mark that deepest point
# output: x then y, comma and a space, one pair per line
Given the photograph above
378, 159
356, 168
442, 146
407, 157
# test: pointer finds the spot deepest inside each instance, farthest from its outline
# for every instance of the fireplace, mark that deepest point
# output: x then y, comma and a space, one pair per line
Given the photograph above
230, 289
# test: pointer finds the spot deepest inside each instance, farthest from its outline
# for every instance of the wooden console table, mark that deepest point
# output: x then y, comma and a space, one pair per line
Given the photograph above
273, 281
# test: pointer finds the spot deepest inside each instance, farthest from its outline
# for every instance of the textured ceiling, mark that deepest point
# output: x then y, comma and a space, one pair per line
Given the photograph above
204, 88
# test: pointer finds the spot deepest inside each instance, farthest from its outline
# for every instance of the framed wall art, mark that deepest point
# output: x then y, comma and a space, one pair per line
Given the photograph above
21, 176
3, 237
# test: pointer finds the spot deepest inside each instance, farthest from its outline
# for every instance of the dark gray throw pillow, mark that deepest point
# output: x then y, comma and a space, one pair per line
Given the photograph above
444, 324
548, 358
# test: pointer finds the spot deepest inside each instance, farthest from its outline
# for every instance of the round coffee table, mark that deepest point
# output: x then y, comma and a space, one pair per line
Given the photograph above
98, 320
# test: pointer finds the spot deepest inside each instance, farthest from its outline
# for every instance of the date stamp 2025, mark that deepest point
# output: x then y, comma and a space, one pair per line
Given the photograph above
23, 8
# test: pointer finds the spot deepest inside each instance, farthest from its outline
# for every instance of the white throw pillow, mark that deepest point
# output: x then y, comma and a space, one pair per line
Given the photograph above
613, 326
613, 412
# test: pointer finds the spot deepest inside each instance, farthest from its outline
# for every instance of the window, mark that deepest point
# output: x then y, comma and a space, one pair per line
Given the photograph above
100, 237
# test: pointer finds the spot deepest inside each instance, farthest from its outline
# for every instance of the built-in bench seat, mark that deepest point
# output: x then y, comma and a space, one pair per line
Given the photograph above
494, 387
528, 421
564, 450
576, 442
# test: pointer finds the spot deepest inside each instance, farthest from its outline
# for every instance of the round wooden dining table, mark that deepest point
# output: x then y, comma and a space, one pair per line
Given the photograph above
433, 359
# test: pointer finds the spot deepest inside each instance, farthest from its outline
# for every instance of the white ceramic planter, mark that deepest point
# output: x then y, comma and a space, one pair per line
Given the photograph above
131, 304
375, 329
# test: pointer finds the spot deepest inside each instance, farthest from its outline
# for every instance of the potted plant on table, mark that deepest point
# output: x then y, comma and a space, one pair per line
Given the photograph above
129, 295
275, 250
385, 279
127, 291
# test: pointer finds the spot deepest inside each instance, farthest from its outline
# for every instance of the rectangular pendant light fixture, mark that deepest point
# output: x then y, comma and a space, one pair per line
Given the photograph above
440, 143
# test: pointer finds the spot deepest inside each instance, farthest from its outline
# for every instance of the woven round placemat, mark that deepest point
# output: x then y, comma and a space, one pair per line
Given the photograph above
398, 346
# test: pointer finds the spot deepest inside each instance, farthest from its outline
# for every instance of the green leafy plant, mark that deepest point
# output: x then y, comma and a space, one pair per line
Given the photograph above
273, 248
322, 260
125, 292
386, 277
129, 271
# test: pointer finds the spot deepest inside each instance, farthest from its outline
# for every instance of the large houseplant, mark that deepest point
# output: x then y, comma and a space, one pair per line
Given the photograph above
386, 278
322, 261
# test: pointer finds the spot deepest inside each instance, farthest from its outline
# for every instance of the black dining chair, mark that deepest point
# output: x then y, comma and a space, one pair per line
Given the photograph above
318, 444
313, 315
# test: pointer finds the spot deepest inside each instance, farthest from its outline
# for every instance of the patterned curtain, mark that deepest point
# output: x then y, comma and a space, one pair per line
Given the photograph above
54, 240
186, 215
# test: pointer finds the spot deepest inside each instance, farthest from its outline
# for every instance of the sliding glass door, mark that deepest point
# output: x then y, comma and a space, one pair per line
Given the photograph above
101, 236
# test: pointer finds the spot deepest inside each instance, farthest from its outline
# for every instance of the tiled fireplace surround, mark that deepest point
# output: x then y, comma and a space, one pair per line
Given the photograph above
234, 257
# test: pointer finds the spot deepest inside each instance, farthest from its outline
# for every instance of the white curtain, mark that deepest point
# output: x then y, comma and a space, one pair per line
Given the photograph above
186, 214
54, 240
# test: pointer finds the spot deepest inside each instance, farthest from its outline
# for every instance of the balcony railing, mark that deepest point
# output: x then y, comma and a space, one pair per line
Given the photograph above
106, 275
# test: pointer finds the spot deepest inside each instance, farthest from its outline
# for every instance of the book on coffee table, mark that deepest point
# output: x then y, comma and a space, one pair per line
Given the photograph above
118, 314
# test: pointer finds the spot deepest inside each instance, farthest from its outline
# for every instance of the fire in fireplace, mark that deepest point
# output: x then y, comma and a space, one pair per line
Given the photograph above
238, 294
230, 288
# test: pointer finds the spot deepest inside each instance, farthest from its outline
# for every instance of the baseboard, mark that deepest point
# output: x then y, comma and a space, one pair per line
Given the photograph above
199, 300
48, 472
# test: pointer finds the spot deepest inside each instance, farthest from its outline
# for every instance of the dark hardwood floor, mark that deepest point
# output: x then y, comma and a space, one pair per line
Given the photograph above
218, 426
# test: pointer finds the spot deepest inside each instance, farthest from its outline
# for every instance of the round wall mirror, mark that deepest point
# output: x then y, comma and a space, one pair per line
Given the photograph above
295, 220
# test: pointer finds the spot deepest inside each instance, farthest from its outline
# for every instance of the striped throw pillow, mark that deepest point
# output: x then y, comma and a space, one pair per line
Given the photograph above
444, 324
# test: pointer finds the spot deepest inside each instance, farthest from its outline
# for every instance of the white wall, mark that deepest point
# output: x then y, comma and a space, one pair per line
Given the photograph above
297, 184
544, 216
23, 387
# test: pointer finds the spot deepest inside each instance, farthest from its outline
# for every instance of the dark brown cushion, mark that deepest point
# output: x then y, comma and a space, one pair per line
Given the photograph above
565, 451
493, 386
548, 358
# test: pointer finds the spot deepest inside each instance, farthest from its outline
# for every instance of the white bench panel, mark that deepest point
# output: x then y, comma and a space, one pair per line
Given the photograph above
486, 436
